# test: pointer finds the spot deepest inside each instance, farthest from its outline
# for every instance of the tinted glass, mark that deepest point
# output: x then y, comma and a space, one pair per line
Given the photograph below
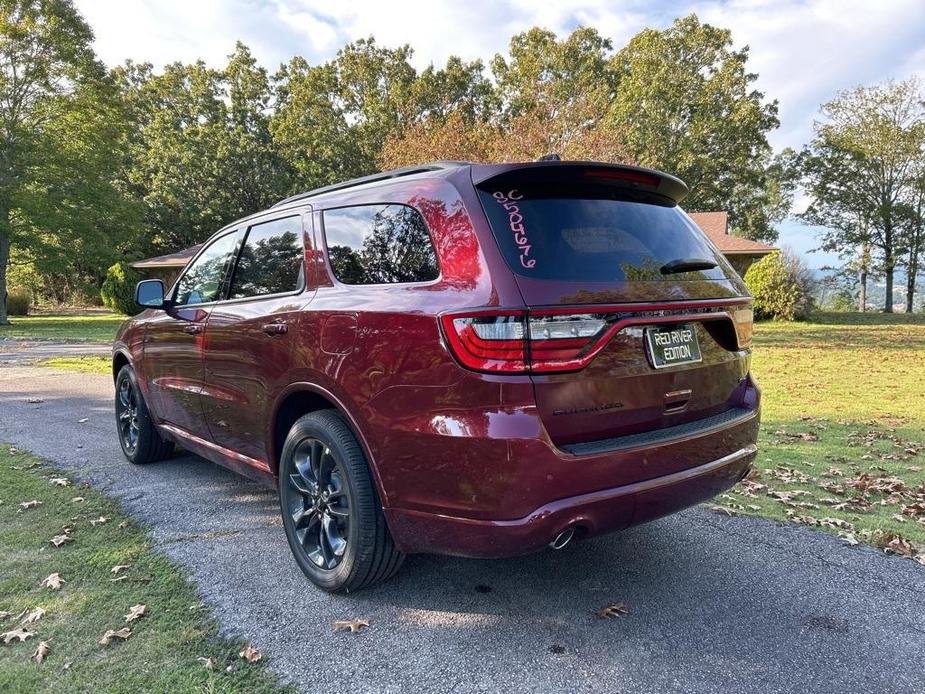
555, 235
379, 244
202, 282
271, 261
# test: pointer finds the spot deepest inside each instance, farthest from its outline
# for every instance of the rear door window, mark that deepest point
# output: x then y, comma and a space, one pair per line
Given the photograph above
590, 234
379, 244
271, 260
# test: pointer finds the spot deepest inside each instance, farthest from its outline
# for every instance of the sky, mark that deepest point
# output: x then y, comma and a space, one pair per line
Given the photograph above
804, 52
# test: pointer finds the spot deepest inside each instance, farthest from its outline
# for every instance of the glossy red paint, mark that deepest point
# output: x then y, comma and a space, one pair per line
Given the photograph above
465, 463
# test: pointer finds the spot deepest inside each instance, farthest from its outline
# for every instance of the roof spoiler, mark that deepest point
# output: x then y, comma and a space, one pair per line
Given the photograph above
634, 177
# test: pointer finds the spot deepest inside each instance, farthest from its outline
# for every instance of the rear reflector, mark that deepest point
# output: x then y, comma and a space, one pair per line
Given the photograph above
744, 320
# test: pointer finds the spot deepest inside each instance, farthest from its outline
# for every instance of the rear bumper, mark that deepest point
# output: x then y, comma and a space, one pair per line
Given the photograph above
590, 514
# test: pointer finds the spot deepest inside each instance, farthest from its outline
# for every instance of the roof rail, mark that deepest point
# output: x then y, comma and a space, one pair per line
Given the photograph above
382, 176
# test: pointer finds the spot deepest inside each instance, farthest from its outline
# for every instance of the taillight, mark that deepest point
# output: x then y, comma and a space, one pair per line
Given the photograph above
557, 342
488, 341
498, 341
744, 320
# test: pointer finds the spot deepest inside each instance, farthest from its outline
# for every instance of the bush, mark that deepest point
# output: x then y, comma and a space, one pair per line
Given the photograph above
780, 284
18, 301
118, 290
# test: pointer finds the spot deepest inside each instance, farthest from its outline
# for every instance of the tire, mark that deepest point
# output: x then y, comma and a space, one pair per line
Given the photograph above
331, 512
141, 443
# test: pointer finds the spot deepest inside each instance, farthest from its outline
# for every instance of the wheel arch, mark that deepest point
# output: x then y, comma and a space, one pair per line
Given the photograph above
119, 360
302, 398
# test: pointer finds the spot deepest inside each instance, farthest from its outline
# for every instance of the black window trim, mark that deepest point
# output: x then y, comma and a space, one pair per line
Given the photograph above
226, 279
327, 256
303, 285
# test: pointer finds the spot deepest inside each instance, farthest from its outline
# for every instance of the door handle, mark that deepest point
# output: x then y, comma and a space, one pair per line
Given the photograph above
192, 329
275, 328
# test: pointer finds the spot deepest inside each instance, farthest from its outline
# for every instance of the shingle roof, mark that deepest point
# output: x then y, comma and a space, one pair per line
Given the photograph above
178, 259
716, 226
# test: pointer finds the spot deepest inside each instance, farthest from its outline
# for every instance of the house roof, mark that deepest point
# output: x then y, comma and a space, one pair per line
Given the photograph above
716, 226
177, 260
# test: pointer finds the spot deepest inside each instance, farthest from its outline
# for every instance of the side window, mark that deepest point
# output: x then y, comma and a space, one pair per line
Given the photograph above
379, 244
202, 281
272, 260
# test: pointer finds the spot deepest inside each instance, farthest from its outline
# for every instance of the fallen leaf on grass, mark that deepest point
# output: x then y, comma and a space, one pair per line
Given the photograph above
33, 616
54, 581
41, 652
30, 504
111, 634
118, 567
98, 521
118, 578
17, 633
58, 481
250, 654
77, 499
135, 612
59, 540
615, 609
123, 524
896, 544
353, 625
208, 663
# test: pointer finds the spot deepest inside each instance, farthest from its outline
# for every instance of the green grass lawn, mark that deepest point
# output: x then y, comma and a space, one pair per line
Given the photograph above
842, 445
169, 645
84, 365
91, 327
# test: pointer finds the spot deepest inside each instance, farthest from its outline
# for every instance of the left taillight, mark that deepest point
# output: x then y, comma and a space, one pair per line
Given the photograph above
518, 342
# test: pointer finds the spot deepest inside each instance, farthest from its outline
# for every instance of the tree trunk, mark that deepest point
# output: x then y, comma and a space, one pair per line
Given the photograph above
862, 295
910, 285
862, 275
889, 264
4, 260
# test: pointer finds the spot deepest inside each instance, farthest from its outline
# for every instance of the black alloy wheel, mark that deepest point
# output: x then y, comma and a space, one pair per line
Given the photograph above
319, 504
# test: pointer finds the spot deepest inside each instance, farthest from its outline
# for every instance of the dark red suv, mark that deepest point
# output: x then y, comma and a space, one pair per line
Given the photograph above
479, 360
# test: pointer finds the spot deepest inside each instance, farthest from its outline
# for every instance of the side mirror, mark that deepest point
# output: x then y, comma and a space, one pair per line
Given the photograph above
150, 294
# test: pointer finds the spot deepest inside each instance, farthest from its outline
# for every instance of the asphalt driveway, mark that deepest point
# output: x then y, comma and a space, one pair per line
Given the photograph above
716, 604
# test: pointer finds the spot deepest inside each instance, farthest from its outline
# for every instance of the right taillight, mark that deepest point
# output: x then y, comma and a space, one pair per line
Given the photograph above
744, 320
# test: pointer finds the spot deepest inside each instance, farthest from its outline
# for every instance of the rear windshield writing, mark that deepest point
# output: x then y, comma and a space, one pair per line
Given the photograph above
595, 239
516, 225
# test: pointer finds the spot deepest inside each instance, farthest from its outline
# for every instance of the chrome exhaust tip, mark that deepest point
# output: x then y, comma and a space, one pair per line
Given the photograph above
563, 538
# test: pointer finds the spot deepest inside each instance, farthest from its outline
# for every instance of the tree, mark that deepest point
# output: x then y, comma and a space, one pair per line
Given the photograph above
203, 151
58, 116
860, 169
551, 96
685, 104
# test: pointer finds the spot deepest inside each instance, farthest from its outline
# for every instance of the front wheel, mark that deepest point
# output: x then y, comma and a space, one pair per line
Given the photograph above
331, 512
140, 441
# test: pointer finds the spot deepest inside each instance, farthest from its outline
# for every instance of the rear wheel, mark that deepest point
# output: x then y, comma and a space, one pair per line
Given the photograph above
140, 441
331, 512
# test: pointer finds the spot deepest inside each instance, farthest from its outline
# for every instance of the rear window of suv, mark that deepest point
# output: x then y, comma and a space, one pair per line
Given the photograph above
592, 234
